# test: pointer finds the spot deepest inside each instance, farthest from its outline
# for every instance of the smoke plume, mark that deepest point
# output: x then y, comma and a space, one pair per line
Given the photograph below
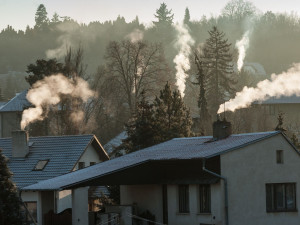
47, 92
135, 36
242, 46
284, 84
184, 40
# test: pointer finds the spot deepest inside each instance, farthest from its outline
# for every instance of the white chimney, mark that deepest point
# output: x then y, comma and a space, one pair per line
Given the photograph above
20, 146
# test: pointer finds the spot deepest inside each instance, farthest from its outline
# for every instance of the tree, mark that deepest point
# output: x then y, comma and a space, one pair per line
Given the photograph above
41, 18
9, 201
135, 67
55, 18
217, 61
163, 15
239, 9
187, 16
163, 120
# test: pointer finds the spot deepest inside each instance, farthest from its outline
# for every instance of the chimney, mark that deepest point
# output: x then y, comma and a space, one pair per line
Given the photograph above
20, 146
221, 129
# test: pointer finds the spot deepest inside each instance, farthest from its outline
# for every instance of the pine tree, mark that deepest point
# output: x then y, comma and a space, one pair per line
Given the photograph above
187, 16
9, 202
55, 18
217, 61
164, 16
172, 118
41, 18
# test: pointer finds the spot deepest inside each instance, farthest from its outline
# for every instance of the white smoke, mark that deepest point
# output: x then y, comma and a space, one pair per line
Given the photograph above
284, 84
184, 40
135, 36
242, 46
47, 92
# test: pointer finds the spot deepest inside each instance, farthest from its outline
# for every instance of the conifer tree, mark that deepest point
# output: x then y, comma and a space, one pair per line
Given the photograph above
41, 18
187, 16
163, 15
218, 64
9, 202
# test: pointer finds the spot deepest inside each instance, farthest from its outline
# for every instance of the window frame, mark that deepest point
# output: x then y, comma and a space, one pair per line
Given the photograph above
79, 165
46, 161
204, 198
271, 198
183, 198
279, 156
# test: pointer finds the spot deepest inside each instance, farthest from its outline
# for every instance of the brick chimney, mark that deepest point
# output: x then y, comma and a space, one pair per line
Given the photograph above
20, 146
221, 129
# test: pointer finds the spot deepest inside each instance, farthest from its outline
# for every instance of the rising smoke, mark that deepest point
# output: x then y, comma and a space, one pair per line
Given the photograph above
47, 92
183, 43
242, 46
135, 36
284, 84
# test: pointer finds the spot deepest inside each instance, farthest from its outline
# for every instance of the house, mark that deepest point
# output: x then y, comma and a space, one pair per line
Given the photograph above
11, 114
225, 179
35, 159
111, 146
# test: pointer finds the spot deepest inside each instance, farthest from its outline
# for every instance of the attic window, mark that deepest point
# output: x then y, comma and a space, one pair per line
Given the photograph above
279, 156
41, 164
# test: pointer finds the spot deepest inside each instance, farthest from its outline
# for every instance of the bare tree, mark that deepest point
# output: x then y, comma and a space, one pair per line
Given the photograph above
135, 66
239, 9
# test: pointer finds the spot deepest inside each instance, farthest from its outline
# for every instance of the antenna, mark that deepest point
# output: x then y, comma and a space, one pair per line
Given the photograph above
224, 110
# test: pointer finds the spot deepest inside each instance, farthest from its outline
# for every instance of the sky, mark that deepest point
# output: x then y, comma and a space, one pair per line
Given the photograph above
20, 13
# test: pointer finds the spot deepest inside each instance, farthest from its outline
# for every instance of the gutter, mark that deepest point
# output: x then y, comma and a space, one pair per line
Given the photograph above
31, 217
225, 188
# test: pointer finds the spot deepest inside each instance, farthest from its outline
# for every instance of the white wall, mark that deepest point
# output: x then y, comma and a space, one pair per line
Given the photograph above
80, 210
30, 196
248, 170
90, 155
147, 197
64, 200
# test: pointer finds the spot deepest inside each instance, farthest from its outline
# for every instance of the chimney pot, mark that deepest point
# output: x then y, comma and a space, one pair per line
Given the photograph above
20, 146
221, 129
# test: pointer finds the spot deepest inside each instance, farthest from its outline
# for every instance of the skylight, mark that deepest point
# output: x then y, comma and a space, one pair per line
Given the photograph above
41, 164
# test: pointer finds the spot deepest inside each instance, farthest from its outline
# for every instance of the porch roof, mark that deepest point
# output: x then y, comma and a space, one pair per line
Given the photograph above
178, 149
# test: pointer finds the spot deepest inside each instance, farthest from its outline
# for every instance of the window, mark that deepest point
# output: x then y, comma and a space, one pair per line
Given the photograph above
183, 196
204, 198
279, 156
41, 164
81, 165
92, 163
281, 197
32, 209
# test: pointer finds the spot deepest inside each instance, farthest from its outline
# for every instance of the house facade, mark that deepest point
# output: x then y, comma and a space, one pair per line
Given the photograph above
225, 179
33, 159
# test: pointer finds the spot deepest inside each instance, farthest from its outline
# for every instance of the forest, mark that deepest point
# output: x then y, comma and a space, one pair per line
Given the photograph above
131, 67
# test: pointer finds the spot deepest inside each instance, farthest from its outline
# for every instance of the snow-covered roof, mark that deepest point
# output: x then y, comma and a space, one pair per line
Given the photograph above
175, 149
62, 153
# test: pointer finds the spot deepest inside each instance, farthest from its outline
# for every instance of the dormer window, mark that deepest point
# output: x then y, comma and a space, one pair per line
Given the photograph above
279, 156
41, 164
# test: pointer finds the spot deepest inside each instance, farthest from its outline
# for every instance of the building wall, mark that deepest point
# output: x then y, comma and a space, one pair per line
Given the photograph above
9, 121
147, 197
248, 170
90, 155
31, 196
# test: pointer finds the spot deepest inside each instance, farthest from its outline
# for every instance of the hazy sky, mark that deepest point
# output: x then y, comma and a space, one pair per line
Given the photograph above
20, 13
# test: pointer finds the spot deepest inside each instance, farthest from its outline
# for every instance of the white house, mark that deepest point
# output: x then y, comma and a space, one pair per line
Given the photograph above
35, 159
226, 179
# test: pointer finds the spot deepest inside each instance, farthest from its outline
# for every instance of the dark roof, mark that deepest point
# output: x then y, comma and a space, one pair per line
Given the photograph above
115, 142
281, 100
175, 149
17, 103
61, 151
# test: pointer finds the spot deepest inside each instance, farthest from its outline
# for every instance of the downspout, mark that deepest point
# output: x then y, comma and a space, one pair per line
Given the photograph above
225, 188
31, 217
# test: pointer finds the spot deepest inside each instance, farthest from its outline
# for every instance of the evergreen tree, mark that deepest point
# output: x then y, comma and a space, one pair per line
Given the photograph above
55, 18
172, 118
167, 118
187, 16
9, 201
41, 18
217, 61
163, 15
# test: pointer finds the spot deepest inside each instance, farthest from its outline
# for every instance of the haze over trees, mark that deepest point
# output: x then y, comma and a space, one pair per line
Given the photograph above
121, 58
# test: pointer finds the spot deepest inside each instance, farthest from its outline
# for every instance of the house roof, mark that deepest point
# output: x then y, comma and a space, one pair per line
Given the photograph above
115, 142
255, 68
175, 149
281, 100
63, 152
17, 103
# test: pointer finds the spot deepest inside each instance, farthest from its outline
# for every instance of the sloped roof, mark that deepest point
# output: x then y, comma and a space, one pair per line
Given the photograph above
281, 100
255, 67
17, 103
63, 152
115, 142
175, 149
